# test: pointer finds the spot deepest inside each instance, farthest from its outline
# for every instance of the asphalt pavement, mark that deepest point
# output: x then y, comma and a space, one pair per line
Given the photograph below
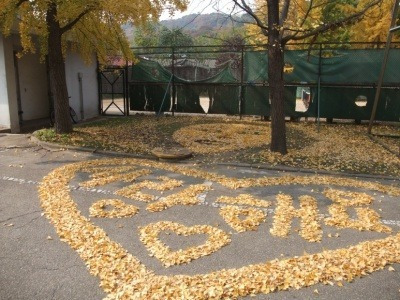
36, 264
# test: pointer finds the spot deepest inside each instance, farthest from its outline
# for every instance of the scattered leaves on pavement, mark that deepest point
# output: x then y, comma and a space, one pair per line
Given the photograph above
123, 276
336, 147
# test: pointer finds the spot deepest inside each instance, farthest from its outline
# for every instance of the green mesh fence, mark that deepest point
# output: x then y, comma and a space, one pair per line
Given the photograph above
357, 67
256, 102
360, 67
188, 99
224, 100
150, 98
356, 103
137, 97
347, 84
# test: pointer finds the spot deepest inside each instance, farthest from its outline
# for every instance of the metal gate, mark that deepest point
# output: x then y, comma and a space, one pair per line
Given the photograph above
113, 92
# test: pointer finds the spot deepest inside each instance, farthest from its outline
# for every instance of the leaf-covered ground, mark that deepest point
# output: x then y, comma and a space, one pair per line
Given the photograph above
336, 147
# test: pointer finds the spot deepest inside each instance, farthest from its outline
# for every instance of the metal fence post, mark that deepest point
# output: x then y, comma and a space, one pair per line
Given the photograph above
173, 82
241, 98
319, 87
384, 63
126, 90
99, 88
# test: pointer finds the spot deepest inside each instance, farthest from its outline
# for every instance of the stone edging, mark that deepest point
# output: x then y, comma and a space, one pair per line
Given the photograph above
48, 145
310, 171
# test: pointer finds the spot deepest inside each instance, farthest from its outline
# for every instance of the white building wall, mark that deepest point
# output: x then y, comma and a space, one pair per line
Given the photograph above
74, 65
8, 88
33, 87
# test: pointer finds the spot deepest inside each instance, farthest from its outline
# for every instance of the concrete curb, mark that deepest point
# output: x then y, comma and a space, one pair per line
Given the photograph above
48, 145
53, 146
309, 171
5, 130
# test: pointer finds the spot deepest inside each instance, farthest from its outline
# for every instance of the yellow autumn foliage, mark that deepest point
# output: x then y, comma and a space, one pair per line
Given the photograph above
372, 27
297, 13
98, 30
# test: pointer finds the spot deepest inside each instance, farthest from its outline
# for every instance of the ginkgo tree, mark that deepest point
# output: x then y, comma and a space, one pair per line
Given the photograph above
375, 26
88, 26
283, 21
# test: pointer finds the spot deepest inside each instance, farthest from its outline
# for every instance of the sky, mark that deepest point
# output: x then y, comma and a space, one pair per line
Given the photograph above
202, 7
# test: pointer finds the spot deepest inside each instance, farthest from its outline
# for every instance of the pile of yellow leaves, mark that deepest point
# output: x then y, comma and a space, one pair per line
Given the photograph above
103, 176
189, 196
308, 213
123, 276
348, 198
133, 191
231, 214
336, 148
120, 209
368, 219
149, 237
220, 137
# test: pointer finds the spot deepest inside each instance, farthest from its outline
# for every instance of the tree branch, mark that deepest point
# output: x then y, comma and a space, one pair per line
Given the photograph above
333, 25
76, 20
284, 12
283, 16
20, 2
243, 5
307, 13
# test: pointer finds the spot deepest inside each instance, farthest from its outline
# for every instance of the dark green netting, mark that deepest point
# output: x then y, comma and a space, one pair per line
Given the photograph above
255, 67
138, 97
340, 103
155, 98
302, 68
255, 101
389, 105
188, 99
224, 76
187, 94
224, 100
150, 98
341, 67
149, 71
357, 69
312, 110
290, 101
360, 67
305, 67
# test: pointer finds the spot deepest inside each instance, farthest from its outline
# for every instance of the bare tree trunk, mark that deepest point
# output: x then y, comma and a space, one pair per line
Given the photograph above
275, 80
58, 85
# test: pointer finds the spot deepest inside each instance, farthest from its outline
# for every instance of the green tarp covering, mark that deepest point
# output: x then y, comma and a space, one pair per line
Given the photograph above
225, 100
346, 75
305, 68
341, 103
358, 67
256, 102
149, 71
188, 99
144, 95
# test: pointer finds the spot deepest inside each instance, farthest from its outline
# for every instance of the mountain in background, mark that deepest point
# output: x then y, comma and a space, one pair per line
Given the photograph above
199, 24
